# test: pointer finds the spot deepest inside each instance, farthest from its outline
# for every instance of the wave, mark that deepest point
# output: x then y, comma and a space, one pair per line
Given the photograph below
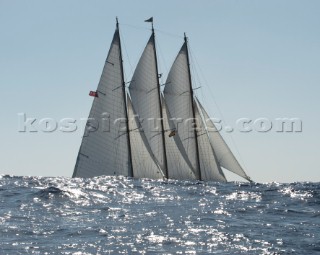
126, 215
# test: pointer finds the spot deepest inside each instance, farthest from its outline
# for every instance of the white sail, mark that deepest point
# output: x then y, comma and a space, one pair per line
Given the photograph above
144, 162
179, 165
210, 170
179, 101
224, 156
104, 149
144, 93
126, 134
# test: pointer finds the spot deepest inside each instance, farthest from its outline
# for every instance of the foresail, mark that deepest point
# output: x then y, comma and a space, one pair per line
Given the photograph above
179, 101
224, 156
210, 170
144, 162
179, 166
104, 149
144, 93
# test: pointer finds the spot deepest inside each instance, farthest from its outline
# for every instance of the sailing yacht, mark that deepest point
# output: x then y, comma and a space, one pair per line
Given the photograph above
145, 133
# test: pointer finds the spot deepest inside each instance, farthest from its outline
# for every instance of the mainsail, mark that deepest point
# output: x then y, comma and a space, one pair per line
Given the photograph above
145, 95
178, 95
104, 149
146, 134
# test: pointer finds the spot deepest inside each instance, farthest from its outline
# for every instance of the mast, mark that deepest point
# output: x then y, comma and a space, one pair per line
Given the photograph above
160, 108
192, 104
125, 102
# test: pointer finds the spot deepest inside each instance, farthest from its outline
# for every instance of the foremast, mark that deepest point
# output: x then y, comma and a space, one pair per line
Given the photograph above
125, 101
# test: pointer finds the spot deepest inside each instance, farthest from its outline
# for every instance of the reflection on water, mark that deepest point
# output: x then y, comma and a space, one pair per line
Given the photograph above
109, 215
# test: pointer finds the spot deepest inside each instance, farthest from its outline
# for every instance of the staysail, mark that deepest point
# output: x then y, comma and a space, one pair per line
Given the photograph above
210, 169
144, 91
144, 162
179, 165
224, 156
105, 148
178, 97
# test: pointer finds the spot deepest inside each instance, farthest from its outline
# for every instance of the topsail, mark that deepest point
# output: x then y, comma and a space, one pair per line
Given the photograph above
144, 133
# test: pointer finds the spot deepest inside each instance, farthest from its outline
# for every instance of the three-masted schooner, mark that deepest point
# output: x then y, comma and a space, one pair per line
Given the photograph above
148, 133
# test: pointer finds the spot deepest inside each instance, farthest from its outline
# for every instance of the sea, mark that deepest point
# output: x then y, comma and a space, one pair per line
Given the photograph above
119, 215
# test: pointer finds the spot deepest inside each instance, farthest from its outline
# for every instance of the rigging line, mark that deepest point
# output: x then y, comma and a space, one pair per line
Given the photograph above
125, 49
134, 26
169, 34
195, 77
157, 30
163, 60
205, 81
212, 95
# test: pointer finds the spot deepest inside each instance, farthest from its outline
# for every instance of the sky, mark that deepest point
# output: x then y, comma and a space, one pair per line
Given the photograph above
252, 59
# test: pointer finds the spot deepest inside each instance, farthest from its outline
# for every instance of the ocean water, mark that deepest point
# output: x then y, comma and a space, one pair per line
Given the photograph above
117, 215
